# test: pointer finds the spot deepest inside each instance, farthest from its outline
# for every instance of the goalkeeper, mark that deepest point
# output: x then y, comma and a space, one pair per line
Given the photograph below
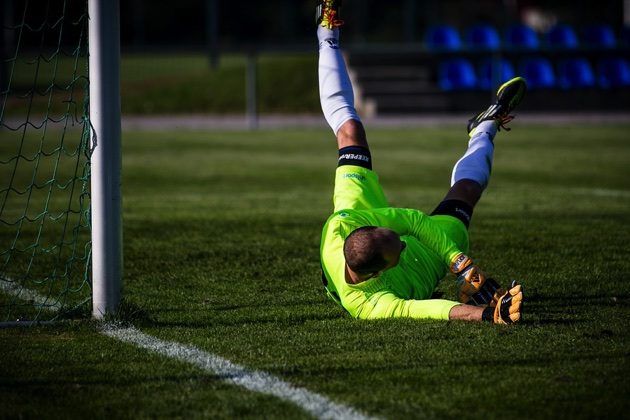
379, 261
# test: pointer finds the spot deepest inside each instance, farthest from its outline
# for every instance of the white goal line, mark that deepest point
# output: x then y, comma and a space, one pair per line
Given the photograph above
10, 287
252, 380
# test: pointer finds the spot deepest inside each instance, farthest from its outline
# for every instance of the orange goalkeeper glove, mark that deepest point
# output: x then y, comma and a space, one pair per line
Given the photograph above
508, 308
474, 288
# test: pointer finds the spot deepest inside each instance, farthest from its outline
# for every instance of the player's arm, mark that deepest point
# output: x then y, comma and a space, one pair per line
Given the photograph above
466, 312
385, 304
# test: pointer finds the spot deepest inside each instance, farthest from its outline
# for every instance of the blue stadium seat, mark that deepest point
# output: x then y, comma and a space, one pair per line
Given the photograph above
494, 72
483, 37
575, 73
562, 36
443, 38
613, 72
539, 73
457, 74
521, 37
599, 36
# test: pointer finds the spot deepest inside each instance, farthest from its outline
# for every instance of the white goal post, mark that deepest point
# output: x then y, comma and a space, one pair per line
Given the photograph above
104, 75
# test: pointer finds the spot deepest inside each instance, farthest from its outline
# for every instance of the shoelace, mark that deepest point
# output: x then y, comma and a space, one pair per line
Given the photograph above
330, 16
503, 121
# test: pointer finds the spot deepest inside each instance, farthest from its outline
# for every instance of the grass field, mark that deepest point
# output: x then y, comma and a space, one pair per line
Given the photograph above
221, 236
170, 84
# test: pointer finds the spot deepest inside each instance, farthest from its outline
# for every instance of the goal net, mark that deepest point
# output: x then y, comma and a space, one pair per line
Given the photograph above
45, 140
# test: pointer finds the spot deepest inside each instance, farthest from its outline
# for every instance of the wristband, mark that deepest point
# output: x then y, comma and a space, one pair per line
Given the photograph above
459, 263
488, 314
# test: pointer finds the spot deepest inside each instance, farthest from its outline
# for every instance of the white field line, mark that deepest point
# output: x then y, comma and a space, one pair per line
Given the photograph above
10, 287
257, 381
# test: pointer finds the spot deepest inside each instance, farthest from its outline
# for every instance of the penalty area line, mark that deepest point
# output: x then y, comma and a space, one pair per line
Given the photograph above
252, 380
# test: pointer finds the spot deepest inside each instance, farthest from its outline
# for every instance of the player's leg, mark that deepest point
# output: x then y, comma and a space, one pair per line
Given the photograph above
356, 185
471, 173
335, 88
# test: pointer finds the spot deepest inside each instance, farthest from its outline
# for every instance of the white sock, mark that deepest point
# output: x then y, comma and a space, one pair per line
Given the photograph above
335, 89
476, 164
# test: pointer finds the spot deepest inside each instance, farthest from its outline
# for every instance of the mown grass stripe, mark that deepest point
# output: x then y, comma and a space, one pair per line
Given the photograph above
603, 192
256, 381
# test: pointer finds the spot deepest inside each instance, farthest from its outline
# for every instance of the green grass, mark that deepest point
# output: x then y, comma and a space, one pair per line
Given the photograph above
188, 84
169, 84
221, 252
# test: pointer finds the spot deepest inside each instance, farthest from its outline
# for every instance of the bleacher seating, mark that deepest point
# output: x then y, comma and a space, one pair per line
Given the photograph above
575, 73
521, 37
493, 72
483, 37
562, 36
599, 36
452, 72
457, 74
613, 72
443, 38
543, 72
539, 72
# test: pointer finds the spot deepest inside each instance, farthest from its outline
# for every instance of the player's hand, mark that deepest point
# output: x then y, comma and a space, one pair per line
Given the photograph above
470, 280
488, 295
470, 283
508, 308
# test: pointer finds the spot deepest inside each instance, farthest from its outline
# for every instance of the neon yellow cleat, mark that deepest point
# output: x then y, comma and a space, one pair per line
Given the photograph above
509, 95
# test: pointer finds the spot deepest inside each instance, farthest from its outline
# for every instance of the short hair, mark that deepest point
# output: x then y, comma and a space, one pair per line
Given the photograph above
363, 250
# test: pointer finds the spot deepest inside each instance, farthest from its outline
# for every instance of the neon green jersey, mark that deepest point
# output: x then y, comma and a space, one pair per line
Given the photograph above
401, 291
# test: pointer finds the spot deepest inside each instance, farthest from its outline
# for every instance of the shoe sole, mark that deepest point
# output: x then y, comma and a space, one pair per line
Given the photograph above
516, 99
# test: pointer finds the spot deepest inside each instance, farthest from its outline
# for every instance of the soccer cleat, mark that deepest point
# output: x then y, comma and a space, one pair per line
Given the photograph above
327, 14
509, 96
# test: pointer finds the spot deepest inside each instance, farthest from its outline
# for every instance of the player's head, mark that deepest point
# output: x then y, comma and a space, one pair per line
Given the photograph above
370, 250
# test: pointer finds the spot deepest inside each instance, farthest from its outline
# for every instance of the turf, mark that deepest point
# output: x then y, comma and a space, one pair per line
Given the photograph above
221, 235
169, 84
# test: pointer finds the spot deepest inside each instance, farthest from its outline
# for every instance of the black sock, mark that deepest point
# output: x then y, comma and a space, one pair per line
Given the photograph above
455, 208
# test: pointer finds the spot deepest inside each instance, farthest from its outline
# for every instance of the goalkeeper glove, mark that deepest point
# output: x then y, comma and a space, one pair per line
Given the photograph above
488, 295
474, 288
508, 308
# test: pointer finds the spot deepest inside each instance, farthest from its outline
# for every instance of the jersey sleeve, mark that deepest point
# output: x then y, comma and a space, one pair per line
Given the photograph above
385, 304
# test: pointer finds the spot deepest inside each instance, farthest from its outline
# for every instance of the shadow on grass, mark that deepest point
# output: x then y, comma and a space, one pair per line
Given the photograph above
232, 316
570, 310
539, 309
578, 300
